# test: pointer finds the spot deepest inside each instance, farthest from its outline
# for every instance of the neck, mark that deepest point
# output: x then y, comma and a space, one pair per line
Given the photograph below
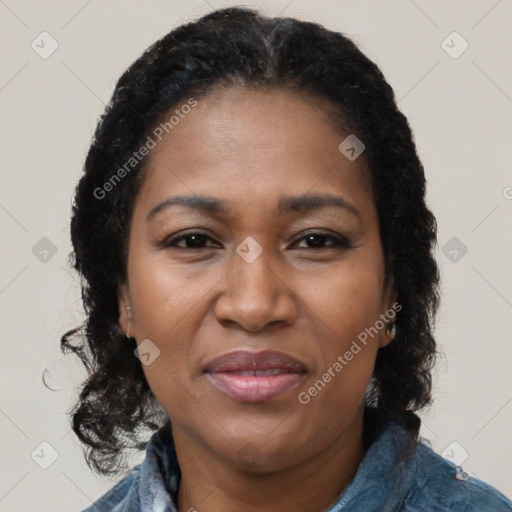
209, 482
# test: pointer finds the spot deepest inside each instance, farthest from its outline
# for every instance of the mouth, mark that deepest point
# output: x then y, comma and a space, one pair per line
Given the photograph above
255, 376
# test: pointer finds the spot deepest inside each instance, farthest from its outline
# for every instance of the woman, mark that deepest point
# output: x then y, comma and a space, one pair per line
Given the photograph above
259, 281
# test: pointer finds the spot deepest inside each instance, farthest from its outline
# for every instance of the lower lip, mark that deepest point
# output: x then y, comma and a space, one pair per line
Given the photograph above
252, 388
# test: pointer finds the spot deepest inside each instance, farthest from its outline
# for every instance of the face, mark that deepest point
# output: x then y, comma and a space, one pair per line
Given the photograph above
252, 298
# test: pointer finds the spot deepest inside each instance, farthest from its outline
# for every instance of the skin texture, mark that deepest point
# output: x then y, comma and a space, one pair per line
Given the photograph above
305, 297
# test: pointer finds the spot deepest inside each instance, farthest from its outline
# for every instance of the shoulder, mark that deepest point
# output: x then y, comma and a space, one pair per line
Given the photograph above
120, 498
439, 485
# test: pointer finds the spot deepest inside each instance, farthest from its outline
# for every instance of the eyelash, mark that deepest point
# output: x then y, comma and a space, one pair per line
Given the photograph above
338, 241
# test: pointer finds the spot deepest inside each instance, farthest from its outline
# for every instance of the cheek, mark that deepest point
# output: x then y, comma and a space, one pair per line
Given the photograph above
346, 300
167, 297
168, 306
346, 308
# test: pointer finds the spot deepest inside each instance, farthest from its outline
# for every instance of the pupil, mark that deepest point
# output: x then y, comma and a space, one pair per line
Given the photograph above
319, 240
196, 240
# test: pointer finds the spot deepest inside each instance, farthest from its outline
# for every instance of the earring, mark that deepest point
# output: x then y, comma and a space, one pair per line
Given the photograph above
391, 330
128, 308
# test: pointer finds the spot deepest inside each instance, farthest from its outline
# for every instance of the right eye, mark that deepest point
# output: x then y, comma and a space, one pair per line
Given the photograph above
193, 240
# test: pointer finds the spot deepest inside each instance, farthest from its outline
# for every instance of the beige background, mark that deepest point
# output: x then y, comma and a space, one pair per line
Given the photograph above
460, 111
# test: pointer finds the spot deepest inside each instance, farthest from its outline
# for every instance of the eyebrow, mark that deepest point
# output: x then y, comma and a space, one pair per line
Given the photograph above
302, 203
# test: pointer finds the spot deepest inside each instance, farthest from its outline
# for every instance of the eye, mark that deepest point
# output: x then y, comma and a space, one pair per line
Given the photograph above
318, 240
190, 240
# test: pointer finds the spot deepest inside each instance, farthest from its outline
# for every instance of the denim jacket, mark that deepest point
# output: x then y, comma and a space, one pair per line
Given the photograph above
384, 482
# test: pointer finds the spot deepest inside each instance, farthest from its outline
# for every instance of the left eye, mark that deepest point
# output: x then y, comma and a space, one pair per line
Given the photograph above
318, 241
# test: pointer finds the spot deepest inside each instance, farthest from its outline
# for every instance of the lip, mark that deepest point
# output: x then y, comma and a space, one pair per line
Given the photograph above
255, 376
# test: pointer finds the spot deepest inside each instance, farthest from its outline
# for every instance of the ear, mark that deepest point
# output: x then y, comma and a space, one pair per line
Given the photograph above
124, 304
390, 307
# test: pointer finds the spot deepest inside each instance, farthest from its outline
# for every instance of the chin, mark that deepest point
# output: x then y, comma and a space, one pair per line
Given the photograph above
258, 455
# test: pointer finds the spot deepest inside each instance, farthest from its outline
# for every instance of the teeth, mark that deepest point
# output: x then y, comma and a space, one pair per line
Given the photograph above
261, 373
264, 373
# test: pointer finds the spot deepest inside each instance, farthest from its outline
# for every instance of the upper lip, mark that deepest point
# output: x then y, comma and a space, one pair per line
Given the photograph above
243, 360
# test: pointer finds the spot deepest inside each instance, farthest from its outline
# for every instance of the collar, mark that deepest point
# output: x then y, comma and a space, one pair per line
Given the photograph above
386, 474
160, 473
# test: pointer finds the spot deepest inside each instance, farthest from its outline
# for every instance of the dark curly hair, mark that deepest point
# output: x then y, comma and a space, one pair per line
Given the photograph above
239, 46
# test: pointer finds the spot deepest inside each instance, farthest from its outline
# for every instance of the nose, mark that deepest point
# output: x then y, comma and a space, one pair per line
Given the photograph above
257, 294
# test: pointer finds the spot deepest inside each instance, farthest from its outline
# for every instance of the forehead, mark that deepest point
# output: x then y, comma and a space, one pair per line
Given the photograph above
252, 142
